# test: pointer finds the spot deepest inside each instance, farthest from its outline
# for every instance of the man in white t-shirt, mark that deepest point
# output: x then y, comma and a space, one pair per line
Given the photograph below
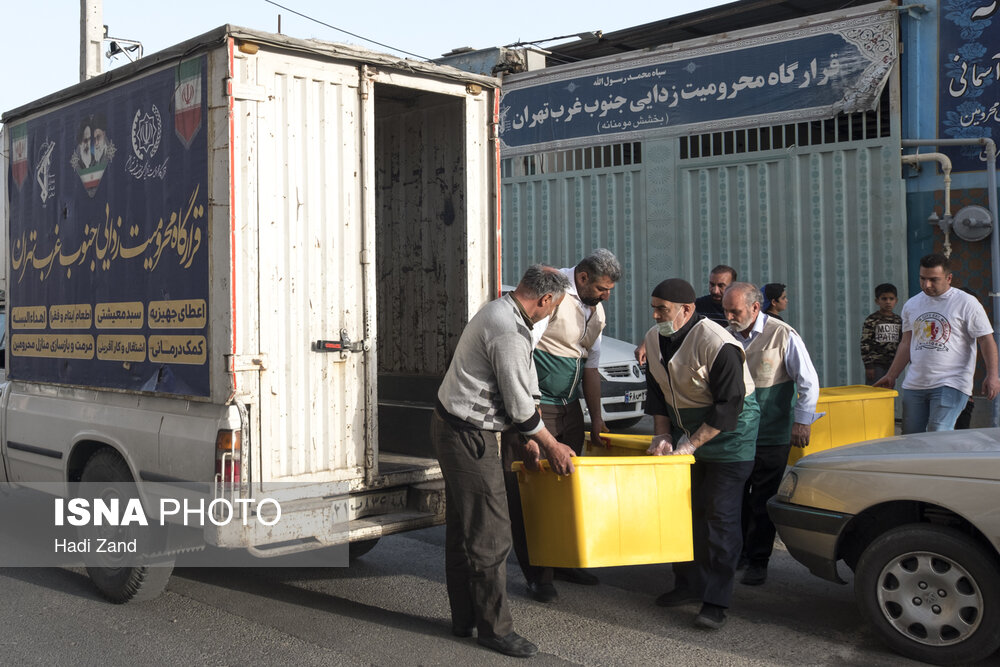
941, 328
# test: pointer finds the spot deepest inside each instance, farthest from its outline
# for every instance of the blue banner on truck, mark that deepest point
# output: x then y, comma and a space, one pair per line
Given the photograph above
109, 279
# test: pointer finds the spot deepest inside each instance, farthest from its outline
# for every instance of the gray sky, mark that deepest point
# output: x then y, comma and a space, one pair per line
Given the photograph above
40, 48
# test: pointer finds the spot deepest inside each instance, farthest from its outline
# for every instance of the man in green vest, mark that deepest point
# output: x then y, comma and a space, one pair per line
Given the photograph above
701, 397
566, 360
787, 391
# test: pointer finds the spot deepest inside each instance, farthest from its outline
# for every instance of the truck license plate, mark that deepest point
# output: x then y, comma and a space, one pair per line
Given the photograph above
635, 396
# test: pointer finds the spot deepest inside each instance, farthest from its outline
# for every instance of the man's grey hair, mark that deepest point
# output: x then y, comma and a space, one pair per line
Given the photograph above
540, 280
750, 293
601, 262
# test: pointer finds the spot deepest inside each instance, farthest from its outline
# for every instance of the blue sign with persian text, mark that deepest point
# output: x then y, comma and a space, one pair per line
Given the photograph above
969, 96
109, 240
840, 68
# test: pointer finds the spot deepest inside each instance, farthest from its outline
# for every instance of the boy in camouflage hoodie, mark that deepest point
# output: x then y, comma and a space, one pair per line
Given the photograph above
880, 334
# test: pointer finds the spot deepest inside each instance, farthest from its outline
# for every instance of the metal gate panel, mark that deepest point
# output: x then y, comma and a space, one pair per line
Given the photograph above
823, 220
813, 205
559, 218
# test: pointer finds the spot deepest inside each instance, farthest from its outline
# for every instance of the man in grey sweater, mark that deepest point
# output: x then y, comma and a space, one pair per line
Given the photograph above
490, 386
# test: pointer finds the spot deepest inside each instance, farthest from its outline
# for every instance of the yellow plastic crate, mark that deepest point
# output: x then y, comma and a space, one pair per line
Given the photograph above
622, 444
628, 510
854, 413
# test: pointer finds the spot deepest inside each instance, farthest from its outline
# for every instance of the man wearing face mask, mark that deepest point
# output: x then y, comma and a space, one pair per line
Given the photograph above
491, 385
701, 397
566, 359
787, 389
709, 305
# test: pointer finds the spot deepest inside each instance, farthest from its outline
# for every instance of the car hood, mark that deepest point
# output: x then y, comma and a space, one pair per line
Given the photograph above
614, 350
973, 454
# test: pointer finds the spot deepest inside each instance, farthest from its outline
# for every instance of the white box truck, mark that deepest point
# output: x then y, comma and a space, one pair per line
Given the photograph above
247, 259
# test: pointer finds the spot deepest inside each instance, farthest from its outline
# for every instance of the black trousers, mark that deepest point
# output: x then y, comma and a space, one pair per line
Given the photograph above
477, 527
716, 498
566, 425
758, 531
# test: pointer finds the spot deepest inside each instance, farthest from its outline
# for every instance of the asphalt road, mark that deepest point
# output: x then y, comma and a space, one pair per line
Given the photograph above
390, 608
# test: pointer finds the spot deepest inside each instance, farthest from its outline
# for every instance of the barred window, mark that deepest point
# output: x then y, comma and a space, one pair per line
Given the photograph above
576, 159
857, 126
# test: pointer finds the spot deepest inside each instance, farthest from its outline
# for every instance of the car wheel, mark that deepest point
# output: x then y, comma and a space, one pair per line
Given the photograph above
622, 424
932, 593
117, 581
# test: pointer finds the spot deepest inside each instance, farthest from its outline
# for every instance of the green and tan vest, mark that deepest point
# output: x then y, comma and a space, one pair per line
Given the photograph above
776, 392
560, 354
684, 382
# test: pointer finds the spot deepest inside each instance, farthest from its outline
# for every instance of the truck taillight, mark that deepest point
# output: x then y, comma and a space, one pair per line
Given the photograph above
227, 457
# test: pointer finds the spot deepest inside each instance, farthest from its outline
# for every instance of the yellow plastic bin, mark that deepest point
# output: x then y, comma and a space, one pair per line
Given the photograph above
854, 413
622, 444
628, 510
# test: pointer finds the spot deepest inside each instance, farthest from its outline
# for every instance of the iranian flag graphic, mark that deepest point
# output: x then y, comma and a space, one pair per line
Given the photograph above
91, 177
187, 100
19, 154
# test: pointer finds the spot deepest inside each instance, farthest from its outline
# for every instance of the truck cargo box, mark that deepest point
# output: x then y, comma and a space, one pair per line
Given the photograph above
254, 232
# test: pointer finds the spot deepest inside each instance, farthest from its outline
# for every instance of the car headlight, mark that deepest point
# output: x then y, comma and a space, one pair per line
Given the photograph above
788, 484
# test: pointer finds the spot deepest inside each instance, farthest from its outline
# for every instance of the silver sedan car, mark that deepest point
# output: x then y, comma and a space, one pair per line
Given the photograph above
917, 518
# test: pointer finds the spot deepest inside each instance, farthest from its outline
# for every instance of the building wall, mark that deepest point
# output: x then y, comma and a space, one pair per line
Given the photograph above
936, 46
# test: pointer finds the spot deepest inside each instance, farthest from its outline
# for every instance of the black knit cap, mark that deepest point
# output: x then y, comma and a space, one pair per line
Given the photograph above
674, 290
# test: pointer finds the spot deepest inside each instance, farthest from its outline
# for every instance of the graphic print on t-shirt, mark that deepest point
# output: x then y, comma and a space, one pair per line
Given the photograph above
932, 332
887, 332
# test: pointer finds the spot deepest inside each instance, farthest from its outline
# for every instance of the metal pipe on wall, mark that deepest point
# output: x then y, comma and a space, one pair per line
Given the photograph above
991, 194
945, 161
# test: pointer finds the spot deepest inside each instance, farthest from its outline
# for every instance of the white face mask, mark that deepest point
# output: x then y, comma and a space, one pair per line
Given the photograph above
666, 328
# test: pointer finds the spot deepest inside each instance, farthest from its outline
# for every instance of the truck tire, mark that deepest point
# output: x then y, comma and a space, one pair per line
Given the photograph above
932, 593
360, 548
123, 584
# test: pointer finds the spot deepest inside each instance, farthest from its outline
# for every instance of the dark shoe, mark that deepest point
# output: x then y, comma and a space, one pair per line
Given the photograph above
513, 645
676, 598
711, 616
755, 575
575, 575
542, 592
461, 631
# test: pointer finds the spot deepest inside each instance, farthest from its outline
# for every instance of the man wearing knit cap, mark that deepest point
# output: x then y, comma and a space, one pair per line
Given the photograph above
709, 305
701, 397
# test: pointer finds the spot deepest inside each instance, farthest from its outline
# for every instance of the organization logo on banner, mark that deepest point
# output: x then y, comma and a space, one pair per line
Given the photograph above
147, 130
44, 173
19, 154
187, 100
93, 153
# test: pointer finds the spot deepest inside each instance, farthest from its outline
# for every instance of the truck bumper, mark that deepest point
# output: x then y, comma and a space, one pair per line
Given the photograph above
315, 522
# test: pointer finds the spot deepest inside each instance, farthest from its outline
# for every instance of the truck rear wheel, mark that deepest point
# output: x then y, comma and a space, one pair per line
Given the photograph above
121, 584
